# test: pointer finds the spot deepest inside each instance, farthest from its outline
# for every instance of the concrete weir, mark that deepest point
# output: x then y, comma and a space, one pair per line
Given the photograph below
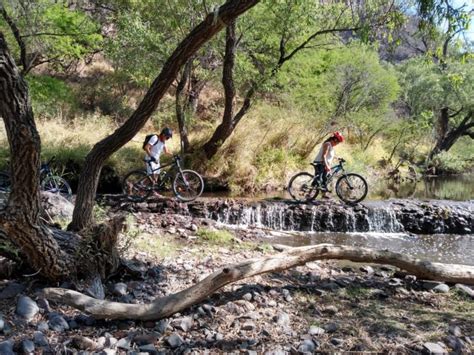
415, 216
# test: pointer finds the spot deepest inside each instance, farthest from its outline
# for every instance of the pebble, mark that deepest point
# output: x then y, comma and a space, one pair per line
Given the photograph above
174, 340
184, 324
282, 319
314, 330
2, 324
455, 330
434, 348
6, 347
331, 327
84, 343
162, 325
337, 341
307, 346
124, 343
26, 308
40, 339
441, 288
369, 270
248, 325
11, 290
57, 322
120, 289
27, 346
247, 297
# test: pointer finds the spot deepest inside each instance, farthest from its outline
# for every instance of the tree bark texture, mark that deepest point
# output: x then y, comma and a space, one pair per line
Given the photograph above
168, 305
21, 221
181, 105
448, 137
89, 177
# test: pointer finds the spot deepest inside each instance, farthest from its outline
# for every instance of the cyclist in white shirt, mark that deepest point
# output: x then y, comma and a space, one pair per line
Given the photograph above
324, 158
154, 147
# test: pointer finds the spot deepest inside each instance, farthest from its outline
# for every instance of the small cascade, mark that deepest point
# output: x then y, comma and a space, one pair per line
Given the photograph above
383, 220
391, 216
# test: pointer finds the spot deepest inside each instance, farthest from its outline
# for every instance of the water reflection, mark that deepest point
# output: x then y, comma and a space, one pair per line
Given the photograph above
454, 249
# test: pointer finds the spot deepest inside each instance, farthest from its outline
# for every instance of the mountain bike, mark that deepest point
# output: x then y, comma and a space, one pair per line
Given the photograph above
350, 188
48, 181
187, 185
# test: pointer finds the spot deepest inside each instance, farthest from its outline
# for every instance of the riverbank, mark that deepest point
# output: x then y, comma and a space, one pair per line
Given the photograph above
322, 306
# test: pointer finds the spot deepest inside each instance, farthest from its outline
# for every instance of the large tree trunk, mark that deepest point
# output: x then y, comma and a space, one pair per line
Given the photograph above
226, 127
181, 105
20, 221
88, 180
448, 137
168, 305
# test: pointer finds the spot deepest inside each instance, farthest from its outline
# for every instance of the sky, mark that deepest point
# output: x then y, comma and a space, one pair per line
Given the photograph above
470, 5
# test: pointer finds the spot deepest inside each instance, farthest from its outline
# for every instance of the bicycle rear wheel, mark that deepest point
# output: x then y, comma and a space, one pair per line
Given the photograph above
188, 185
301, 187
57, 185
137, 185
351, 188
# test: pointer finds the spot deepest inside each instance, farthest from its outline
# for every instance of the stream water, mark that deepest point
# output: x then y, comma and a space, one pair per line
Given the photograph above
384, 231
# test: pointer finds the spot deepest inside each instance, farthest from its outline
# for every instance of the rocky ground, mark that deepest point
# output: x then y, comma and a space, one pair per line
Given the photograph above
322, 306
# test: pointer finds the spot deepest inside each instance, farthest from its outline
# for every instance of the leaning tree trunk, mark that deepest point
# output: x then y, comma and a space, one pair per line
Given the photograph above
20, 221
89, 177
181, 109
448, 137
168, 305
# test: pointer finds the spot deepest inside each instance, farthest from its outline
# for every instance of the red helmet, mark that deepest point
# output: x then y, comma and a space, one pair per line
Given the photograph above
338, 136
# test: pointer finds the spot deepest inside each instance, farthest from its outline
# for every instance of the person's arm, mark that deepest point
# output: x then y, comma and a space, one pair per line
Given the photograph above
325, 153
166, 151
148, 150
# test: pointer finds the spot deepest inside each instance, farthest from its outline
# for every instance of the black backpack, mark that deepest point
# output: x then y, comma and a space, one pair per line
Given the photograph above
147, 139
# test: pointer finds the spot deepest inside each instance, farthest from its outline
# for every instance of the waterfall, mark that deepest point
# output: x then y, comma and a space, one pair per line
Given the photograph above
283, 217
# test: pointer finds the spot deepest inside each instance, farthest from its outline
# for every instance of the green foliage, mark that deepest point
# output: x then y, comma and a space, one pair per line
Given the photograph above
215, 237
51, 97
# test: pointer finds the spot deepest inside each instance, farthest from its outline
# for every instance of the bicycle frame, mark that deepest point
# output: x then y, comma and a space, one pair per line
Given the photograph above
167, 177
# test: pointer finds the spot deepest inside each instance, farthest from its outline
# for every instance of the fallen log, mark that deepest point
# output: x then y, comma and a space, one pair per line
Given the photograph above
168, 305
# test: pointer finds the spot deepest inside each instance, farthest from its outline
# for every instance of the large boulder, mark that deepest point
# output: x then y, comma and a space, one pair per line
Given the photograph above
56, 207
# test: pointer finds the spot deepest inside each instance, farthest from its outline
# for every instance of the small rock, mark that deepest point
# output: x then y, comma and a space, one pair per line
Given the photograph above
143, 339
57, 322
2, 324
120, 289
149, 349
107, 352
272, 303
434, 348
455, 330
248, 325
395, 282
174, 340
441, 288
44, 305
26, 308
27, 346
307, 346
162, 325
83, 343
314, 330
337, 341
247, 296
219, 337
282, 319
185, 324
331, 310
40, 339
194, 227
331, 327
6, 347
42, 327
124, 343
367, 269
410, 278
73, 324
465, 290
11, 290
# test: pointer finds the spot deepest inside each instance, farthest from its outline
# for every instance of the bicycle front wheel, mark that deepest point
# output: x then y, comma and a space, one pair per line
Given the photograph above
188, 185
5, 183
137, 185
351, 188
57, 185
301, 187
